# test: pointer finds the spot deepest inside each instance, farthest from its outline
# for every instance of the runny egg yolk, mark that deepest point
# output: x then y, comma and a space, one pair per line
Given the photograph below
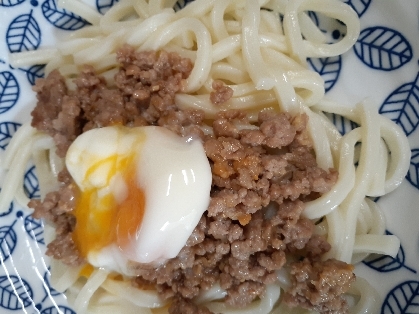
141, 192
102, 220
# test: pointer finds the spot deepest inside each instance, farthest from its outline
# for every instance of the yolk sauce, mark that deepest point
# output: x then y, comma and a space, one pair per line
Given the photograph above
86, 271
101, 220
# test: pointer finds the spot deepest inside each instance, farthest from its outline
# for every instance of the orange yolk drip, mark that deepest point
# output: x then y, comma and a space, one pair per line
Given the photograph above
86, 271
100, 219
130, 213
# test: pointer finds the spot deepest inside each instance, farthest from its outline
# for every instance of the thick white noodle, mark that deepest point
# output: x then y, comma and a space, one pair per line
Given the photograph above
321, 143
335, 235
45, 175
20, 196
377, 186
202, 64
309, 29
82, 9
346, 180
369, 134
96, 279
18, 163
302, 49
73, 45
219, 30
121, 16
125, 290
398, 145
226, 47
263, 306
369, 301
251, 48
370, 221
214, 293
253, 101
377, 223
26, 58
62, 276
21, 135
379, 244
148, 26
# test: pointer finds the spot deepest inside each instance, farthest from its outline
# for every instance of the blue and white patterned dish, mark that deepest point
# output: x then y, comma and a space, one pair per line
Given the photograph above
383, 65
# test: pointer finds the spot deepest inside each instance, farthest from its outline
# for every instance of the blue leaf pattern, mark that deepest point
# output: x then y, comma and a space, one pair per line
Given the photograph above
104, 5
8, 240
181, 4
23, 34
7, 212
342, 124
359, 6
313, 16
31, 184
61, 18
52, 291
402, 106
328, 68
10, 3
402, 299
413, 173
385, 263
7, 130
9, 91
35, 229
61, 310
334, 29
15, 292
375, 199
35, 72
383, 48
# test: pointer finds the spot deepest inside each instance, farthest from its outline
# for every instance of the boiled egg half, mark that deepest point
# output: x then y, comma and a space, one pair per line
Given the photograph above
141, 193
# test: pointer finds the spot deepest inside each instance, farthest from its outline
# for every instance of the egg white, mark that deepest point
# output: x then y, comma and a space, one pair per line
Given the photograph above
174, 174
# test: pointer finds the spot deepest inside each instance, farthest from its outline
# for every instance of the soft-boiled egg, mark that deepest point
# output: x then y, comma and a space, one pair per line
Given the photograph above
141, 193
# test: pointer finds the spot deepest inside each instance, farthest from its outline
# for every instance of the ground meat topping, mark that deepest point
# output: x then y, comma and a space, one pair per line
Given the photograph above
144, 95
236, 243
262, 174
221, 92
184, 306
56, 209
319, 285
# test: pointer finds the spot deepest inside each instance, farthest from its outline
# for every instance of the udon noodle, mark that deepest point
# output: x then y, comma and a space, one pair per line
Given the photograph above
263, 59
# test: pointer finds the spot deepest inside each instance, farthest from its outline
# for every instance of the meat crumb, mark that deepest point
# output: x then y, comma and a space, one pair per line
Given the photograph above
221, 92
262, 174
319, 285
184, 306
56, 209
